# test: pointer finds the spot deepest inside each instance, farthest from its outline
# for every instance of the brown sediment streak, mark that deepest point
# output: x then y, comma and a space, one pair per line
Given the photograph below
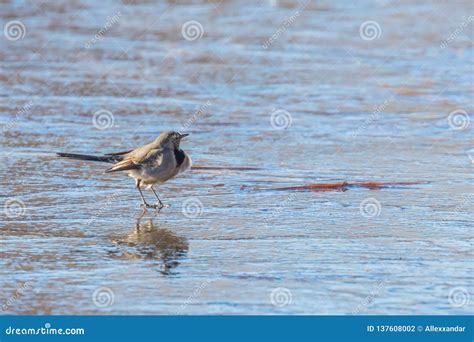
343, 186
233, 168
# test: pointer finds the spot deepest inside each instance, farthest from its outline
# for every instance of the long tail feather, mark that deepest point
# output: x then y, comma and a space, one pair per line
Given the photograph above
106, 159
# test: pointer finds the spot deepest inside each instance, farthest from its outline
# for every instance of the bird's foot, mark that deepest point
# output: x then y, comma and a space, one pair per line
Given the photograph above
146, 206
159, 205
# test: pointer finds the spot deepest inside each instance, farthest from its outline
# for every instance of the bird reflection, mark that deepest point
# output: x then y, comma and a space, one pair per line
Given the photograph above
151, 242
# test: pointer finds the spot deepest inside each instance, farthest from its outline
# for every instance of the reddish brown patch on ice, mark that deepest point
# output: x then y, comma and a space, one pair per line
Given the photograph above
341, 186
344, 186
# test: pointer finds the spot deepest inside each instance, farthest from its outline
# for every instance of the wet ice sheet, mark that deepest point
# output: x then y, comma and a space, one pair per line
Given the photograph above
361, 110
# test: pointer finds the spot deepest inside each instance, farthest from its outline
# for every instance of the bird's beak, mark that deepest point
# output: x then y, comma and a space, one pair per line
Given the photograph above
184, 135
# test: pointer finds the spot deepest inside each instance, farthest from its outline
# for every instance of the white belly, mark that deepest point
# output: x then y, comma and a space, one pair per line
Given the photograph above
161, 173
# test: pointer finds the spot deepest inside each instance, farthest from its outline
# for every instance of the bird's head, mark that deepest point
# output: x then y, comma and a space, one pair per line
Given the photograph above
170, 139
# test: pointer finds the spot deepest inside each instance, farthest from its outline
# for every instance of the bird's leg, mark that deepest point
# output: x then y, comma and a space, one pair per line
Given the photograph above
161, 205
144, 205
156, 195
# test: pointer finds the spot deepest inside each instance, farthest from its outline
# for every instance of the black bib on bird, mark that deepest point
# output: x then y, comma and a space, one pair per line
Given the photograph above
179, 155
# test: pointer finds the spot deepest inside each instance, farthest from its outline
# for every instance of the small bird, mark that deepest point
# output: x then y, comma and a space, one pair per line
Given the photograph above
150, 164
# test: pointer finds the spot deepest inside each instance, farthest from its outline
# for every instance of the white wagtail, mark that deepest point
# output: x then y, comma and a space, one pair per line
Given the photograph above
153, 163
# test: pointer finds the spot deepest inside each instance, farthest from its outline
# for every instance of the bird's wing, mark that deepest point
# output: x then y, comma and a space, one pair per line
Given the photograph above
140, 153
155, 157
134, 155
118, 153
136, 160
